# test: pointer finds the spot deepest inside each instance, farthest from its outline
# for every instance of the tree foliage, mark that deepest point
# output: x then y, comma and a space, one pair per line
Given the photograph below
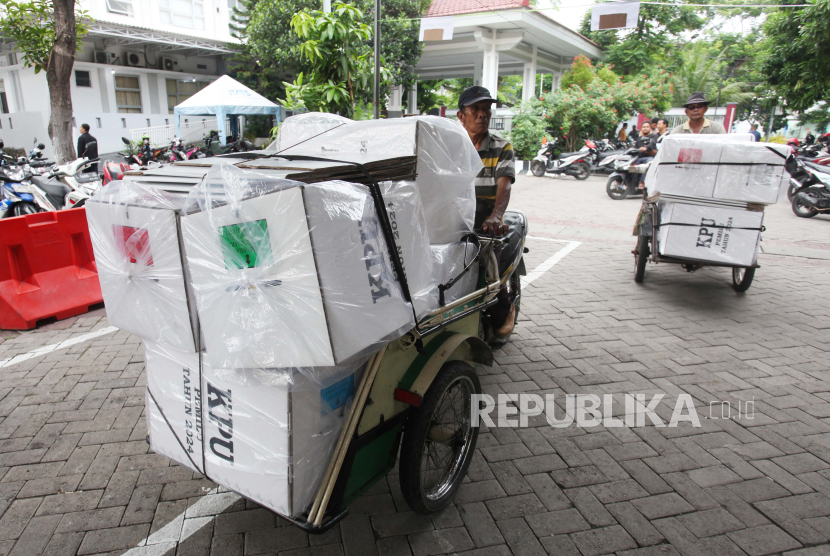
340, 61
577, 113
659, 29
31, 25
704, 69
796, 53
270, 48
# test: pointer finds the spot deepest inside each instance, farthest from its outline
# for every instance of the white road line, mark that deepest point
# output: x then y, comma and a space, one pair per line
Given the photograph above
548, 264
60, 345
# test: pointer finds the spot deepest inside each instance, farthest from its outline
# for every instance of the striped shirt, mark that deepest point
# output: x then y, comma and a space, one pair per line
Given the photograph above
497, 155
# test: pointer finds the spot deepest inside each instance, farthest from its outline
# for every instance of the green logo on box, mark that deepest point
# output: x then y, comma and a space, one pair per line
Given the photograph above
246, 245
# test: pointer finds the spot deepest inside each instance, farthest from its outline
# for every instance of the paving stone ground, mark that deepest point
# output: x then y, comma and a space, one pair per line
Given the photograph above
77, 477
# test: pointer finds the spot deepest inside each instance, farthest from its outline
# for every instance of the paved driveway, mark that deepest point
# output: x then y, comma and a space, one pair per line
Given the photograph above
77, 477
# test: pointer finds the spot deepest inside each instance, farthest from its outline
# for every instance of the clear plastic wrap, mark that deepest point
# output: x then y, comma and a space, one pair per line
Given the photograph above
446, 167
449, 260
288, 274
406, 215
271, 441
298, 128
751, 172
174, 404
708, 233
135, 238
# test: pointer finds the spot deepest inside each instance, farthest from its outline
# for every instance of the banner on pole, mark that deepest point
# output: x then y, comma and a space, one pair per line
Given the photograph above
614, 15
437, 28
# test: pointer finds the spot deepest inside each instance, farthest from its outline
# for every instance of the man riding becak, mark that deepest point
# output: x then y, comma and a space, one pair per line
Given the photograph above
492, 184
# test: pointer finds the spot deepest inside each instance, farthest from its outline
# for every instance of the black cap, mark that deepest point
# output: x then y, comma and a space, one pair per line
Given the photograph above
472, 95
697, 98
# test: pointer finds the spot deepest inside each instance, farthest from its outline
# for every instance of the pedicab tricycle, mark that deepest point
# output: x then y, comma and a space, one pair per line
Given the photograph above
416, 393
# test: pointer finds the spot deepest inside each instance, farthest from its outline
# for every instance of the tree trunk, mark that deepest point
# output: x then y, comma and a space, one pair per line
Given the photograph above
58, 76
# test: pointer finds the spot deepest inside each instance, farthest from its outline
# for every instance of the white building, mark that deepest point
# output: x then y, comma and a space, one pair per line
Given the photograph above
140, 59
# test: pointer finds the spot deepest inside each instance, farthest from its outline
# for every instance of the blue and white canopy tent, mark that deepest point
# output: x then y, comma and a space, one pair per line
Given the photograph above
225, 97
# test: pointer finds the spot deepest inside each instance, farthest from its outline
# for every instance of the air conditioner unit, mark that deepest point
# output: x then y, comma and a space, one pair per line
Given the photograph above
134, 59
102, 57
167, 64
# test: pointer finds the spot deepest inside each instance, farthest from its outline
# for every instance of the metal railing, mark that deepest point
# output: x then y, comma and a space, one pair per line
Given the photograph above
191, 131
497, 124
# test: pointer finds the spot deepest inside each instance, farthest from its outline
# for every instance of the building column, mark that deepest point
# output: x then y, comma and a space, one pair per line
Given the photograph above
529, 77
412, 101
394, 106
477, 72
490, 66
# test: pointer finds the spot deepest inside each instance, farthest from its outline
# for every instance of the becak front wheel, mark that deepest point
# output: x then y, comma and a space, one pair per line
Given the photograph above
439, 439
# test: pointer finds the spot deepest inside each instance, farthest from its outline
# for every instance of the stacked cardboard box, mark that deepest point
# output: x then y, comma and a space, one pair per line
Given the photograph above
712, 190
261, 295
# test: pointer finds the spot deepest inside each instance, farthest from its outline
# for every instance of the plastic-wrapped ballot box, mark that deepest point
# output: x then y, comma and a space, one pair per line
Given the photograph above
287, 274
751, 172
708, 233
135, 238
269, 433
300, 127
174, 404
406, 216
687, 164
449, 260
447, 163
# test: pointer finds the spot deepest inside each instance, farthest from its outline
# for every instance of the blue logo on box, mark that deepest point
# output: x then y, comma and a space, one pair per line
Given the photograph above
336, 395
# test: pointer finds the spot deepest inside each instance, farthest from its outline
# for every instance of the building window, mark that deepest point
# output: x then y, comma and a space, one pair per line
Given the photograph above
82, 79
127, 94
180, 91
123, 7
183, 13
124, 122
98, 123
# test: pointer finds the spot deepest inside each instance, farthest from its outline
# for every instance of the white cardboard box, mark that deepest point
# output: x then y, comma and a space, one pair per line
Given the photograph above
174, 404
706, 233
751, 172
143, 281
270, 442
297, 277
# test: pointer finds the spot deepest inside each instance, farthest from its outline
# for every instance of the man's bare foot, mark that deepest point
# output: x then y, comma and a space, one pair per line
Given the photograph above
507, 328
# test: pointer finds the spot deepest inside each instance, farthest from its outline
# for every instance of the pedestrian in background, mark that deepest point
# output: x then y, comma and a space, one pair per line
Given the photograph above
754, 132
88, 147
622, 135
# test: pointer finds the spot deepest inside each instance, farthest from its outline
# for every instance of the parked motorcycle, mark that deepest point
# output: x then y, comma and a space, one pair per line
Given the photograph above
69, 183
145, 153
626, 177
179, 151
576, 164
809, 189
114, 171
233, 145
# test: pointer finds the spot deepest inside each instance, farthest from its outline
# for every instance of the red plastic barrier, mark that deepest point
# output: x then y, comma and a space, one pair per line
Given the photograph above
47, 268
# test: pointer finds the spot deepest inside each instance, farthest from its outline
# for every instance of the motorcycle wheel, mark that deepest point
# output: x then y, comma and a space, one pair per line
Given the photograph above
583, 171
742, 278
538, 168
801, 210
641, 258
22, 209
616, 189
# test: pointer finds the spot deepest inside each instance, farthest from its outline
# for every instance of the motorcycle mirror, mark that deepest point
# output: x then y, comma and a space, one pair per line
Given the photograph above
41, 146
125, 140
2, 144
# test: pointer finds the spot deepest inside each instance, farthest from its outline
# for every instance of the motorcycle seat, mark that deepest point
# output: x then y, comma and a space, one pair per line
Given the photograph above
566, 155
817, 167
55, 191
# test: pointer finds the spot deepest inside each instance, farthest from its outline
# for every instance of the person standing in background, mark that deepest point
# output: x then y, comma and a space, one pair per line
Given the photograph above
754, 132
88, 147
622, 135
634, 133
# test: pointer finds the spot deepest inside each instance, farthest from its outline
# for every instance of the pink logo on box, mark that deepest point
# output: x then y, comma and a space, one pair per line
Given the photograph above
690, 155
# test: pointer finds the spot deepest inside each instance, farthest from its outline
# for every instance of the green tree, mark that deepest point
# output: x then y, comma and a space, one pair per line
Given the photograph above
341, 63
796, 53
660, 29
701, 69
528, 129
47, 34
269, 51
576, 113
